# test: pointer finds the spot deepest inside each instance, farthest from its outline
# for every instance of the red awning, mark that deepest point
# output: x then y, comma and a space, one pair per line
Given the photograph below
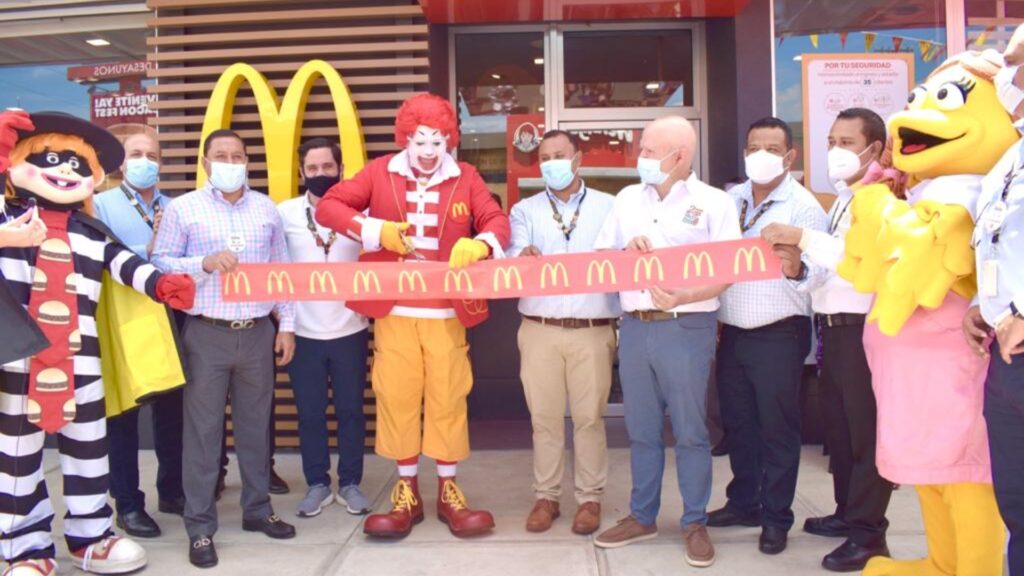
493, 11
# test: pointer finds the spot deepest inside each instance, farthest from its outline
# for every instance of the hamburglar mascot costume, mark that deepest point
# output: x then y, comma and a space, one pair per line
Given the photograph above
916, 256
421, 205
53, 162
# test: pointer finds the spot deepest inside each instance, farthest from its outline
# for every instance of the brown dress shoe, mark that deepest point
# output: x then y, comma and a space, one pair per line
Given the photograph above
543, 514
588, 518
453, 510
406, 511
699, 551
625, 532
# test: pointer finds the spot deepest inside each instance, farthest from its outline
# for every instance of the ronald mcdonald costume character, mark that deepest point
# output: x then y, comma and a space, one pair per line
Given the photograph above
916, 256
53, 162
420, 204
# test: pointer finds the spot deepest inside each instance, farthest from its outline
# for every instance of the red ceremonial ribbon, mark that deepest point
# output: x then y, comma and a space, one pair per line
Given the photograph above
591, 272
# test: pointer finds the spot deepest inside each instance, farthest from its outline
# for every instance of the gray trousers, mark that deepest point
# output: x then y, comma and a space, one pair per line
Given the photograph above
220, 362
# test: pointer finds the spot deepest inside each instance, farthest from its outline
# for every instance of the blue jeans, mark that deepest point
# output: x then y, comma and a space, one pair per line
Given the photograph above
665, 365
340, 365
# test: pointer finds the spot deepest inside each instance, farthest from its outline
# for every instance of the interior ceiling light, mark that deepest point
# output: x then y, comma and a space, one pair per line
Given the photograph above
97, 42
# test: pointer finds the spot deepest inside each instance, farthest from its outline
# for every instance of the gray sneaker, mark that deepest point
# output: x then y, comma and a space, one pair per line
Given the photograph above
353, 500
317, 496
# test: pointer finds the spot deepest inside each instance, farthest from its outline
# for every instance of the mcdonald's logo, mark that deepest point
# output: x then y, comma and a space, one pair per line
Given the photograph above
281, 278
600, 267
552, 271
749, 254
453, 277
321, 278
460, 210
281, 120
508, 273
699, 262
649, 263
411, 277
367, 278
235, 280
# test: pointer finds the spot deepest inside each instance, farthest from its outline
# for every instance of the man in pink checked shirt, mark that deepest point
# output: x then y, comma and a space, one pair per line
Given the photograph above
206, 233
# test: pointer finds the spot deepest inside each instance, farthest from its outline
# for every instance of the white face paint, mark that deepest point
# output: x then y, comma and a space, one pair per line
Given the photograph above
426, 149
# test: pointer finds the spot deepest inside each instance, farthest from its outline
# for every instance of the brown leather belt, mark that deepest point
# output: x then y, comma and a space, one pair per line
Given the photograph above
655, 315
573, 323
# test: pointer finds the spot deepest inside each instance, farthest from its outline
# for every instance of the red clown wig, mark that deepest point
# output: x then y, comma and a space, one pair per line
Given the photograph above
426, 110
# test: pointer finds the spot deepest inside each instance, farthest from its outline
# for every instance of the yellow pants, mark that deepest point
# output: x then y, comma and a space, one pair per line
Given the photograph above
965, 533
421, 373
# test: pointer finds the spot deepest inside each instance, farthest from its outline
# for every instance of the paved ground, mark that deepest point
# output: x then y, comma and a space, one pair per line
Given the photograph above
333, 544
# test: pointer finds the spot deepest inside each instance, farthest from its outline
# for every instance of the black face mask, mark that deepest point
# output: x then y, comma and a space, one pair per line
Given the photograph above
319, 185
48, 159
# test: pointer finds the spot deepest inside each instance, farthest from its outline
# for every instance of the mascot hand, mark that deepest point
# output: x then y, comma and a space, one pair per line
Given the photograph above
10, 122
176, 290
392, 237
466, 251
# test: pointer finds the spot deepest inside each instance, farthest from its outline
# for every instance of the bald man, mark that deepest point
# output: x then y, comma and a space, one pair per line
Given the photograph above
667, 337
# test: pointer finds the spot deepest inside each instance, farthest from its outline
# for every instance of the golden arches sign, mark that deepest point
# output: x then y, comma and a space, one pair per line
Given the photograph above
281, 121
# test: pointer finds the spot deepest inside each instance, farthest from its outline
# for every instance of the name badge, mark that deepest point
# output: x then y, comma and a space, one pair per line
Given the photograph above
990, 278
236, 242
995, 216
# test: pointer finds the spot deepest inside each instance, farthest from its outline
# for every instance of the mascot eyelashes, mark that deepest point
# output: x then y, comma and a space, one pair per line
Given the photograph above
53, 162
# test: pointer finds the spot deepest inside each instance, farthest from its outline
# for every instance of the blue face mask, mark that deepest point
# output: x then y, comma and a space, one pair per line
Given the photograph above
141, 173
558, 174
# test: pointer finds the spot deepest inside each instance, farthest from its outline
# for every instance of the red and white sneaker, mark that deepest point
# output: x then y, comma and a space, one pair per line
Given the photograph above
113, 555
37, 567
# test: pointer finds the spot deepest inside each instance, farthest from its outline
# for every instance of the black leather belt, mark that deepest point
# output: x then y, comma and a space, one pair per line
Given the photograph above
655, 315
572, 323
246, 324
841, 319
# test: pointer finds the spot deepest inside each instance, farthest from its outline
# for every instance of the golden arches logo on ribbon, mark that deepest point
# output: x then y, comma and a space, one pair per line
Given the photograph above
321, 278
281, 120
699, 262
553, 271
457, 277
365, 279
748, 254
412, 278
279, 279
508, 274
234, 280
650, 264
600, 266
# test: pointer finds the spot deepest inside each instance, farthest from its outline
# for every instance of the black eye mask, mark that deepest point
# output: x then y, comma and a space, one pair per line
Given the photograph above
50, 159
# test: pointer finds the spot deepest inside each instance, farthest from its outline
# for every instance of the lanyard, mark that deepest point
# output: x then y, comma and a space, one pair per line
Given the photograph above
757, 215
1002, 203
567, 230
138, 207
320, 242
838, 217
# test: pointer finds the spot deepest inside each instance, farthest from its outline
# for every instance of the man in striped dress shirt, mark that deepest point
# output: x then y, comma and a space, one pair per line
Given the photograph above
57, 160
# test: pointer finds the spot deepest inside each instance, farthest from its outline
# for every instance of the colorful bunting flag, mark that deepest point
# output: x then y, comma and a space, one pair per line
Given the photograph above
897, 41
925, 47
842, 39
814, 41
983, 37
869, 41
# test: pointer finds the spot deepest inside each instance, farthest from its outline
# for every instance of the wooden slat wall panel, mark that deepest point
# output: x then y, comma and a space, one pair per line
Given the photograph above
378, 46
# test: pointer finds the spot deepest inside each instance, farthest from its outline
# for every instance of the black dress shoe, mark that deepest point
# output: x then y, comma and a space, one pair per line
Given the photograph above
271, 526
139, 524
852, 557
176, 506
772, 541
725, 516
830, 526
201, 552
277, 484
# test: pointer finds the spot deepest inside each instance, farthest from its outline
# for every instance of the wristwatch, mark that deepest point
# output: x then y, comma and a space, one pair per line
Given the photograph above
803, 273
1016, 313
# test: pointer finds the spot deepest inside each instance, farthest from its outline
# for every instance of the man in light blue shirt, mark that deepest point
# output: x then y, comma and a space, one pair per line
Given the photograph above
999, 307
567, 343
131, 211
766, 335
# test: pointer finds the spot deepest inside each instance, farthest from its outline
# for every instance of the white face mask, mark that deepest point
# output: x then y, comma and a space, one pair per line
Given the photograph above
650, 169
1010, 95
843, 164
762, 166
227, 177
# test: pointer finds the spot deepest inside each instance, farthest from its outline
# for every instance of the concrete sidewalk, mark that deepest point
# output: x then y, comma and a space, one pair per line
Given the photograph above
498, 480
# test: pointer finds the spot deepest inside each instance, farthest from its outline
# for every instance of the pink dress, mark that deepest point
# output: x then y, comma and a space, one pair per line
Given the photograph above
930, 389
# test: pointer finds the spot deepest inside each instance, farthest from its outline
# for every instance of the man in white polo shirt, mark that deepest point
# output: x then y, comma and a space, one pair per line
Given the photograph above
330, 346
667, 338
